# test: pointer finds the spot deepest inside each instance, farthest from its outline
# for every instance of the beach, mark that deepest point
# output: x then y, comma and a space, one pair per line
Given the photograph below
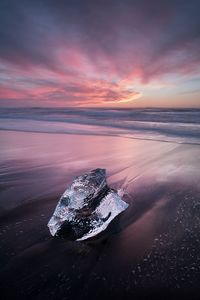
152, 248
99, 150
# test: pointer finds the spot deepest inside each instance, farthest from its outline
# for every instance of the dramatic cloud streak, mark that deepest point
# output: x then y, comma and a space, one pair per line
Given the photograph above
94, 52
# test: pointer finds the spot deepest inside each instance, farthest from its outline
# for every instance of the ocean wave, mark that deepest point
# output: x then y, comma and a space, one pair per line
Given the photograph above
168, 125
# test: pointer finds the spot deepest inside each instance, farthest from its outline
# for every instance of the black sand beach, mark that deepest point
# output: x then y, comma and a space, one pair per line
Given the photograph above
151, 250
107, 91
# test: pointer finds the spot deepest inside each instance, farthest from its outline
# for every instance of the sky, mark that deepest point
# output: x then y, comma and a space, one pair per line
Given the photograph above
100, 53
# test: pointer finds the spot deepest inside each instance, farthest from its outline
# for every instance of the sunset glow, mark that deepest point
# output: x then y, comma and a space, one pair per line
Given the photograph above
100, 53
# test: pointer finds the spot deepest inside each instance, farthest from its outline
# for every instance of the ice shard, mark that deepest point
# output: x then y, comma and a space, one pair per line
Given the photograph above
86, 208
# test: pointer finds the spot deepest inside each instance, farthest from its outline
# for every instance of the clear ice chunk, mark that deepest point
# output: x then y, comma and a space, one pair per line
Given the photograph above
86, 208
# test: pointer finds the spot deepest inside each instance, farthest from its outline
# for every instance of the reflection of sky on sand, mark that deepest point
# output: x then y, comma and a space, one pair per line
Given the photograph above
59, 157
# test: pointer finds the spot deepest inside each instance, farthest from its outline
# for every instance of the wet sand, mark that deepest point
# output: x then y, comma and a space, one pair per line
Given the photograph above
151, 250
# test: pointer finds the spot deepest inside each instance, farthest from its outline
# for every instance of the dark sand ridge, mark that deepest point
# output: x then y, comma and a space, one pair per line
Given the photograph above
153, 245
